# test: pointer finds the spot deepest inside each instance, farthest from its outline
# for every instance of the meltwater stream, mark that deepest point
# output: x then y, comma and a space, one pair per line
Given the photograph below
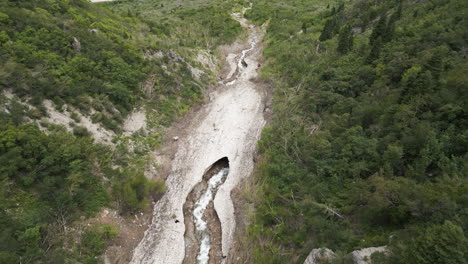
253, 43
199, 211
229, 125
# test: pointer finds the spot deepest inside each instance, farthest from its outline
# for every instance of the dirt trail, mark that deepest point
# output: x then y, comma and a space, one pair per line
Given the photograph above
228, 126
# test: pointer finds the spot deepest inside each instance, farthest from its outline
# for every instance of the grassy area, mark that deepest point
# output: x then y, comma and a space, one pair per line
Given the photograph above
195, 24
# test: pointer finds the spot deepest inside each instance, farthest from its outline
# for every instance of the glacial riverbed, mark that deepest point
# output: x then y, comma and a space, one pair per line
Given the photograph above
229, 125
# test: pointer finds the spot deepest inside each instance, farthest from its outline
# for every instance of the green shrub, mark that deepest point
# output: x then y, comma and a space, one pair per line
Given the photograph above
75, 117
80, 131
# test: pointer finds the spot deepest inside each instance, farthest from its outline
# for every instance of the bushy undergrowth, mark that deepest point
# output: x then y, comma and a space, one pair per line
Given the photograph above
367, 146
86, 58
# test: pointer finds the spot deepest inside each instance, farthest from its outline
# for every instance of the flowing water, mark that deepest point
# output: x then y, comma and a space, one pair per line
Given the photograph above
240, 66
201, 225
227, 126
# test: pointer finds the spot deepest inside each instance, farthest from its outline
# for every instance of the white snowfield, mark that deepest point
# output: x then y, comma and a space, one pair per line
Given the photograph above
229, 126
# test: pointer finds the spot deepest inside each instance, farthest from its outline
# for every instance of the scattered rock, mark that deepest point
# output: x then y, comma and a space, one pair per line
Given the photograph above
319, 255
175, 138
151, 54
244, 63
363, 256
114, 111
173, 55
94, 31
76, 45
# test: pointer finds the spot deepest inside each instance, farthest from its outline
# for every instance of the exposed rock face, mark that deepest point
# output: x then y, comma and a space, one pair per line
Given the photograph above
363, 256
319, 255
76, 45
152, 54
173, 55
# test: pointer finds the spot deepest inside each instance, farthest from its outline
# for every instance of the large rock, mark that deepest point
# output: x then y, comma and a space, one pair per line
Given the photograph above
174, 55
319, 255
76, 45
363, 256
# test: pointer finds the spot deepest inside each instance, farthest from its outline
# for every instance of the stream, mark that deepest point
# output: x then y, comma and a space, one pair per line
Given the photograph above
201, 225
194, 221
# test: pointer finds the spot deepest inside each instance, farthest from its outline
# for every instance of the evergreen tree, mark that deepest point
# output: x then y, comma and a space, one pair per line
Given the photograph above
345, 40
304, 27
327, 32
379, 30
390, 29
375, 51
438, 244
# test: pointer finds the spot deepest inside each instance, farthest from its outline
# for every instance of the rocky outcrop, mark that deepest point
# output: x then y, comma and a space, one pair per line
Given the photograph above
174, 56
76, 45
319, 255
363, 256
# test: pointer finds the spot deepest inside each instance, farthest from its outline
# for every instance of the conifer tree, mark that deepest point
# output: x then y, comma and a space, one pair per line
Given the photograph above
379, 30
345, 40
327, 31
375, 51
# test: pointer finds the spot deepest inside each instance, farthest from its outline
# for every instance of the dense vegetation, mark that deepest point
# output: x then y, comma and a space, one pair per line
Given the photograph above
190, 24
368, 144
90, 62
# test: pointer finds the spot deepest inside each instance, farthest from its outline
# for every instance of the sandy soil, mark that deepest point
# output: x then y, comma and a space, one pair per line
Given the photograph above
228, 125
130, 233
99, 133
135, 121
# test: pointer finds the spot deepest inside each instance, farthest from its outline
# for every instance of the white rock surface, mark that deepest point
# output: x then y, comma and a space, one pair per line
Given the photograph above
363, 256
319, 254
135, 121
99, 133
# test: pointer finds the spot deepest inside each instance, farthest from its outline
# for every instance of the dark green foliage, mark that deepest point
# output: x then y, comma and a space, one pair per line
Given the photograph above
45, 179
93, 241
380, 30
87, 59
345, 40
377, 136
328, 29
42, 41
437, 244
80, 131
131, 190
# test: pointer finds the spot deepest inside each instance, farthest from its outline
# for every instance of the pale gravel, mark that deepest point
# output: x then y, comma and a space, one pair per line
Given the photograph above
228, 126
135, 121
99, 133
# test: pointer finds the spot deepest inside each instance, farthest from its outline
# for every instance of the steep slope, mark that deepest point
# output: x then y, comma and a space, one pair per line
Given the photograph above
86, 94
367, 146
228, 126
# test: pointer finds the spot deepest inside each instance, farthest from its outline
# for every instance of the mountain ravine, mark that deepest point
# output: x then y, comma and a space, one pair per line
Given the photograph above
229, 125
